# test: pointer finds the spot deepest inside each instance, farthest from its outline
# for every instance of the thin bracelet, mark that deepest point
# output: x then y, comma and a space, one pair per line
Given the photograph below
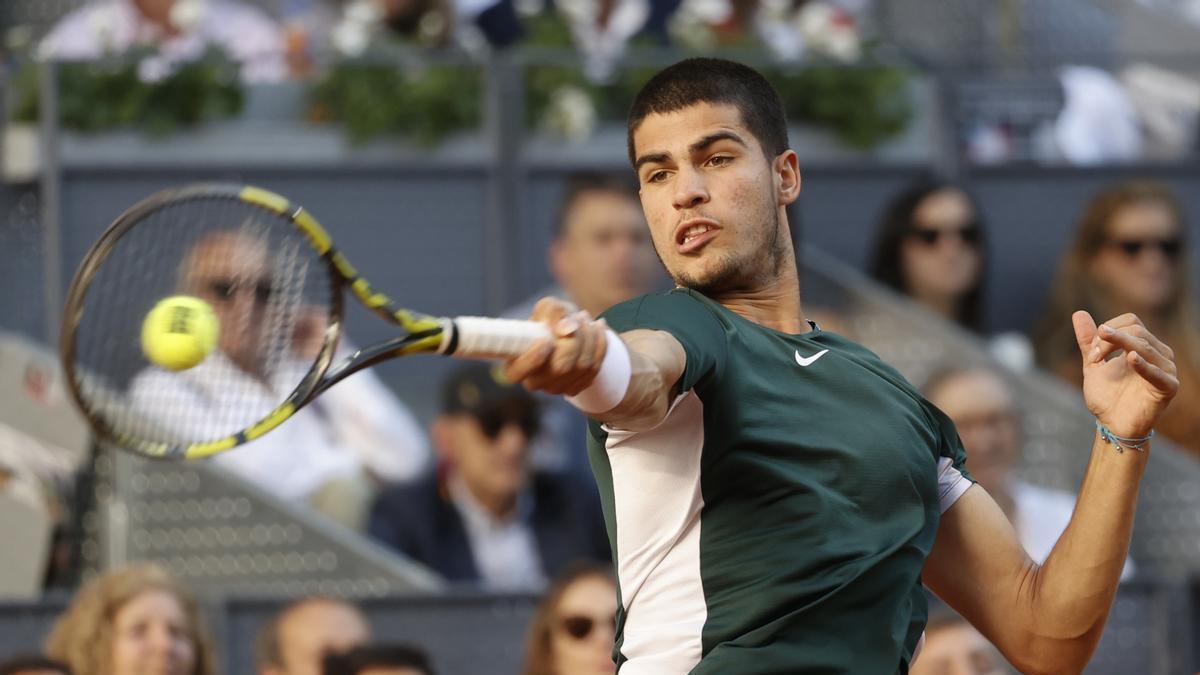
1122, 443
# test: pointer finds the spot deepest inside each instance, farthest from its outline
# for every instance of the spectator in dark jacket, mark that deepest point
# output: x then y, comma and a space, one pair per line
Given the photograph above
487, 518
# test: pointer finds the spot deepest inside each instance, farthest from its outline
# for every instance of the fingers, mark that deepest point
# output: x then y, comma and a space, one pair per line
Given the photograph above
551, 310
1085, 333
1127, 333
1162, 380
534, 359
570, 362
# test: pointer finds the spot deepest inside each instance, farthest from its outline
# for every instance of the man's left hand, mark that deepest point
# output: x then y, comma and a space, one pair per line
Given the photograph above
1127, 393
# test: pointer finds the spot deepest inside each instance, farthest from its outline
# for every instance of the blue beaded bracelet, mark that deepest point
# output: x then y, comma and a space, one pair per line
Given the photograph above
1122, 443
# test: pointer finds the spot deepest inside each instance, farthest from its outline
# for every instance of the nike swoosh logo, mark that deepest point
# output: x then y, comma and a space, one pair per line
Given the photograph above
806, 362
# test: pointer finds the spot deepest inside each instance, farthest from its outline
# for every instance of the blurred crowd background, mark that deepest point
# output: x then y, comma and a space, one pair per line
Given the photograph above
974, 170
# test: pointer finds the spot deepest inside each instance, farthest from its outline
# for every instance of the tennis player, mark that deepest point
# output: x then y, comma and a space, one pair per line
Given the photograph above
776, 495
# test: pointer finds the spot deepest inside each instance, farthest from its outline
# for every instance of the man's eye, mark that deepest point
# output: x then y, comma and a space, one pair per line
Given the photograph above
720, 160
656, 177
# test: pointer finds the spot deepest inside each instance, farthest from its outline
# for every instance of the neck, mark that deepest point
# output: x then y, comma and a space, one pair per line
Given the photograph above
499, 507
775, 304
944, 306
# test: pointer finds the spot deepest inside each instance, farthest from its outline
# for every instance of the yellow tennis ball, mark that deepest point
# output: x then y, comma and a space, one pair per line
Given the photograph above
179, 332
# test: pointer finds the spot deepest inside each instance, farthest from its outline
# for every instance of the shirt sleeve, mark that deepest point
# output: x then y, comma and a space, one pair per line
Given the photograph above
953, 478
688, 320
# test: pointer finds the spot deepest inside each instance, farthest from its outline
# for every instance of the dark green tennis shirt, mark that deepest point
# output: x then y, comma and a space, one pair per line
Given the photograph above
778, 519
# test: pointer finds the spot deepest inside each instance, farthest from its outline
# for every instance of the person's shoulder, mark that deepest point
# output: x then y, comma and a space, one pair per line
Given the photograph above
420, 493
75, 35
658, 309
152, 379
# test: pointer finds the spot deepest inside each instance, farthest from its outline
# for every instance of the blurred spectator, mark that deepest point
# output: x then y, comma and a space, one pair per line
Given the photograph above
430, 22
33, 665
134, 619
487, 518
305, 633
601, 28
953, 647
984, 410
573, 629
180, 28
472, 24
601, 256
931, 246
335, 452
1129, 254
28, 519
379, 660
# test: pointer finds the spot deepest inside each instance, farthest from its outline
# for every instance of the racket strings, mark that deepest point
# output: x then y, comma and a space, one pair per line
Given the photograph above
269, 291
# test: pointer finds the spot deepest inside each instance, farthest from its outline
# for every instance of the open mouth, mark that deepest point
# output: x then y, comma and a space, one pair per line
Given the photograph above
692, 235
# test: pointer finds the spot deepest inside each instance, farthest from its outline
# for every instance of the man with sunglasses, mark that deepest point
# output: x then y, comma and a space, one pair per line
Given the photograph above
487, 518
333, 454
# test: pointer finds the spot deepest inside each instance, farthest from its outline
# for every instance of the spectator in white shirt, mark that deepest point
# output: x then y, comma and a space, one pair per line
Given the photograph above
180, 29
332, 453
982, 405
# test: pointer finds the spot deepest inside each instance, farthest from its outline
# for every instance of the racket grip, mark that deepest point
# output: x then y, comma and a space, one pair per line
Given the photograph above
481, 337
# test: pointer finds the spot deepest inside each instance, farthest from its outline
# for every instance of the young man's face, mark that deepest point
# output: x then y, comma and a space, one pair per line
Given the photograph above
711, 197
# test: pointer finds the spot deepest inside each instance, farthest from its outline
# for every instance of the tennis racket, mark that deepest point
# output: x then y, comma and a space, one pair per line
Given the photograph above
276, 285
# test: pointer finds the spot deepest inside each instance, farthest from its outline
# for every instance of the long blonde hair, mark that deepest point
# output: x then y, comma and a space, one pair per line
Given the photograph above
1075, 288
83, 636
539, 657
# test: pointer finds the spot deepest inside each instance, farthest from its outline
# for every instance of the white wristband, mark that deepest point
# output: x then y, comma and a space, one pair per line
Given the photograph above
610, 384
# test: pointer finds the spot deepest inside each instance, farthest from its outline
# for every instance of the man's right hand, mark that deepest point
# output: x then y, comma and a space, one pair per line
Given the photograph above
568, 363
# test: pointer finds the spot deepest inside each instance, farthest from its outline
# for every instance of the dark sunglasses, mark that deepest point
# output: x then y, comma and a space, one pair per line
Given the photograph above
225, 290
969, 234
493, 423
1133, 247
579, 627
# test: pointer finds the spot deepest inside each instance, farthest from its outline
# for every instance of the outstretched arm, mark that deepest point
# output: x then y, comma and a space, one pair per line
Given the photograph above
571, 362
1049, 618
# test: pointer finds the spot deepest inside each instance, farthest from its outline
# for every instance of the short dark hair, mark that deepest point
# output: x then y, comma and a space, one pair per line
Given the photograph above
359, 659
585, 183
21, 664
716, 81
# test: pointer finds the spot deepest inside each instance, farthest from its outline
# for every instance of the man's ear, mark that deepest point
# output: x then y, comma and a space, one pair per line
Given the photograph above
787, 172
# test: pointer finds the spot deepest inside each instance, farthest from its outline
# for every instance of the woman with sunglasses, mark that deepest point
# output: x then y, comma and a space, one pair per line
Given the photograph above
930, 246
1129, 254
573, 628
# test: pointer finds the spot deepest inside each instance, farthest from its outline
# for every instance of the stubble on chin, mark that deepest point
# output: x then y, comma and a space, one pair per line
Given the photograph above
729, 274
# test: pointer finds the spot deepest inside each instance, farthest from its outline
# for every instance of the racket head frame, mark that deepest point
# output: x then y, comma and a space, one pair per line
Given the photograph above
305, 390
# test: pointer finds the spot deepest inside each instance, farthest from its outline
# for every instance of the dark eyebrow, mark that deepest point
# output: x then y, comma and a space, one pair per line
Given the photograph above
693, 148
713, 138
646, 159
